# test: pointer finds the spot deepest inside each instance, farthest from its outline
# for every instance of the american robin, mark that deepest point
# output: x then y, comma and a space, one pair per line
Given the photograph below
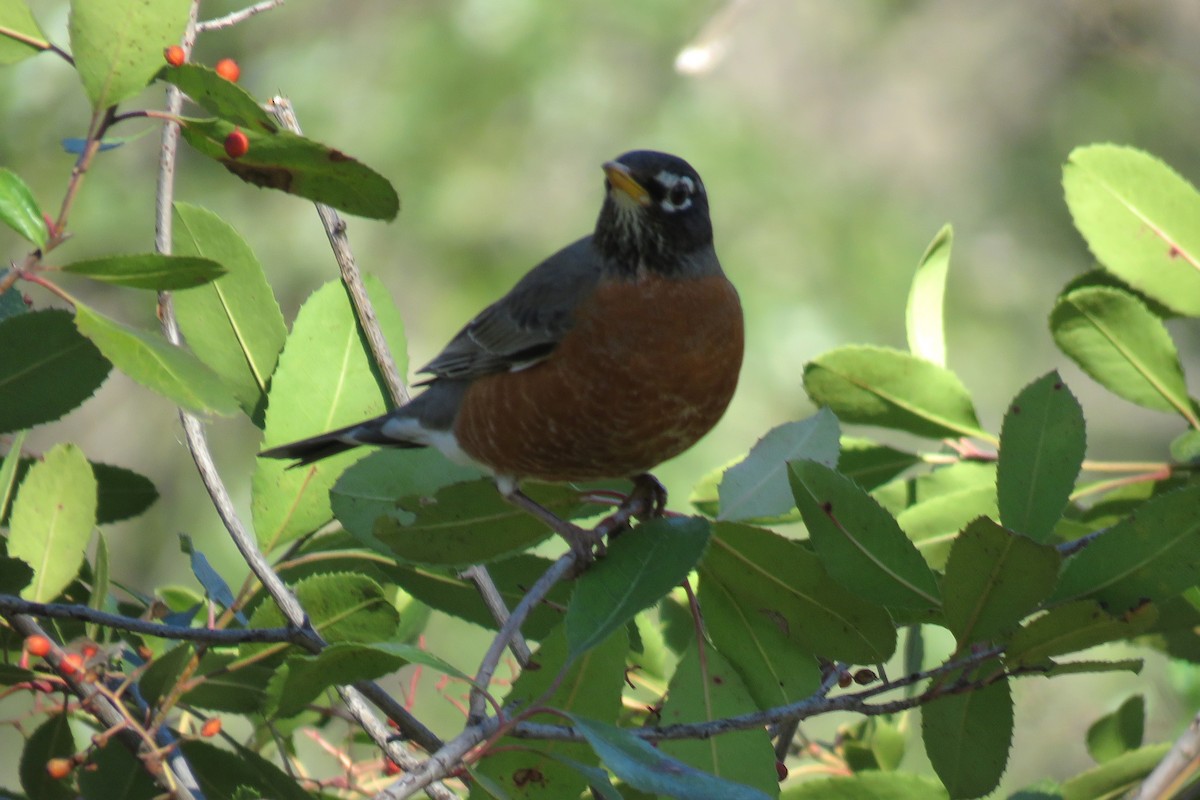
611, 356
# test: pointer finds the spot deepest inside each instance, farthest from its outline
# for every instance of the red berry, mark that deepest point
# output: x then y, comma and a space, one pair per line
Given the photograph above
236, 144
70, 664
390, 767
174, 55
59, 768
211, 728
89, 651
37, 645
228, 69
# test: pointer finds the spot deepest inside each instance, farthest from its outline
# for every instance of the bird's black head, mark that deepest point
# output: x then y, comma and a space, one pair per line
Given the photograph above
655, 213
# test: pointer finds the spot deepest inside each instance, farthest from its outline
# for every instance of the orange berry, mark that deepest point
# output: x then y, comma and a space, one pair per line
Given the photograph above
70, 664
228, 69
211, 728
174, 55
37, 645
89, 651
390, 767
236, 144
59, 768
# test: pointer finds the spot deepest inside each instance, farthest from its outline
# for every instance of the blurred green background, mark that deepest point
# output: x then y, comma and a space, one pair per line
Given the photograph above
835, 137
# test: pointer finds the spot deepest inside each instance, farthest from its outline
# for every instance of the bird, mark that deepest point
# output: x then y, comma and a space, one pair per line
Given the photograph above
614, 354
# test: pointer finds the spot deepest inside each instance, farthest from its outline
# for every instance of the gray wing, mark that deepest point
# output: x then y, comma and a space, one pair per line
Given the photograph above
525, 325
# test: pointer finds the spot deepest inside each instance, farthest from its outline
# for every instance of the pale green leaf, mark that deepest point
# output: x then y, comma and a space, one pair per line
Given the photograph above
16, 17
153, 271
924, 318
18, 209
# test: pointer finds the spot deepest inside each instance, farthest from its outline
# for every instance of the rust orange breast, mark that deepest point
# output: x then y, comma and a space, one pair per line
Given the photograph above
648, 368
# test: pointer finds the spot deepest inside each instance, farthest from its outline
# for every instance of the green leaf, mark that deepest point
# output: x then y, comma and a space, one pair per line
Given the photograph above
120, 493
98, 597
1042, 442
643, 767
1094, 667
1119, 342
1152, 555
924, 317
1185, 448
342, 607
993, 579
8, 472
52, 520
298, 166
47, 370
325, 379
1140, 219
471, 523
12, 303
149, 271
879, 386
118, 45
867, 786
703, 690
946, 501
241, 690
786, 584
757, 487
18, 209
223, 771
303, 677
219, 97
16, 16
639, 569
1116, 777
1119, 732
459, 597
776, 670
589, 686
870, 464
967, 737
860, 544
233, 324
1074, 627
114, 773
51, 739
156, 364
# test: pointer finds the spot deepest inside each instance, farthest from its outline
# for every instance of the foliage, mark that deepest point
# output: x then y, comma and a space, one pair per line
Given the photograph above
811, 559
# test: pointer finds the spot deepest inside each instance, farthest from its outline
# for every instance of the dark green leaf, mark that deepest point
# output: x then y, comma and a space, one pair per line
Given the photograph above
787, 585
298, 166
993, 579
219, 96
303, 678
52, 739
639, 569
48, 369
967, 737
1119, 732
234, 324
52, 520
590, 685
703, 690
325, 379
1074, 627
878, 386
15, 575
870, 464
645, 768
18, 209
859, 543
149, 271
12, 303
237, 691
1140, 219
120, 493
1133, 665
1116, 777
1118, 341
1152, 555
156, 364
162, 674
15, 16
757, 487
114, 773
118, 45
923, 317
1041, 449
221, 772
776, 670
945, 502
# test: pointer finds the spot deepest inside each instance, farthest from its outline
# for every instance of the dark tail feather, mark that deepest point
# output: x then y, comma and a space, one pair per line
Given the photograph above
306, 451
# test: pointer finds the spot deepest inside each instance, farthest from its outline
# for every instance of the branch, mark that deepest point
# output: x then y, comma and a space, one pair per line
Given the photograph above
10, 604
236, 17
1179, 765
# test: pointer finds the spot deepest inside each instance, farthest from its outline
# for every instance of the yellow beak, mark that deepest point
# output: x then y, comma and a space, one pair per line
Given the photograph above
619, 176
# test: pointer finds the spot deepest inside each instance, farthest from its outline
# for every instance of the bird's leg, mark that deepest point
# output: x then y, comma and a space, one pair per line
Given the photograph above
586, 544
647, 500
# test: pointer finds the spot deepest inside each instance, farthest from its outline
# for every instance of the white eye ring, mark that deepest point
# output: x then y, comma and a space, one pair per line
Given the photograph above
679, 191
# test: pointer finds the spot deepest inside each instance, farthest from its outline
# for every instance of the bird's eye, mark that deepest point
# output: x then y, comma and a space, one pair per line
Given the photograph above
679, 194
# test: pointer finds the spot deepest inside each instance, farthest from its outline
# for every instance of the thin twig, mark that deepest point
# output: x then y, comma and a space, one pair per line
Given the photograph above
10, 604
1180, 764
237, 16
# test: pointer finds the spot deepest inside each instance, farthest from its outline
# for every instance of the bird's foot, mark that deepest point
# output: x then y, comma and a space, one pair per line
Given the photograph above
647, 500
587, 545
